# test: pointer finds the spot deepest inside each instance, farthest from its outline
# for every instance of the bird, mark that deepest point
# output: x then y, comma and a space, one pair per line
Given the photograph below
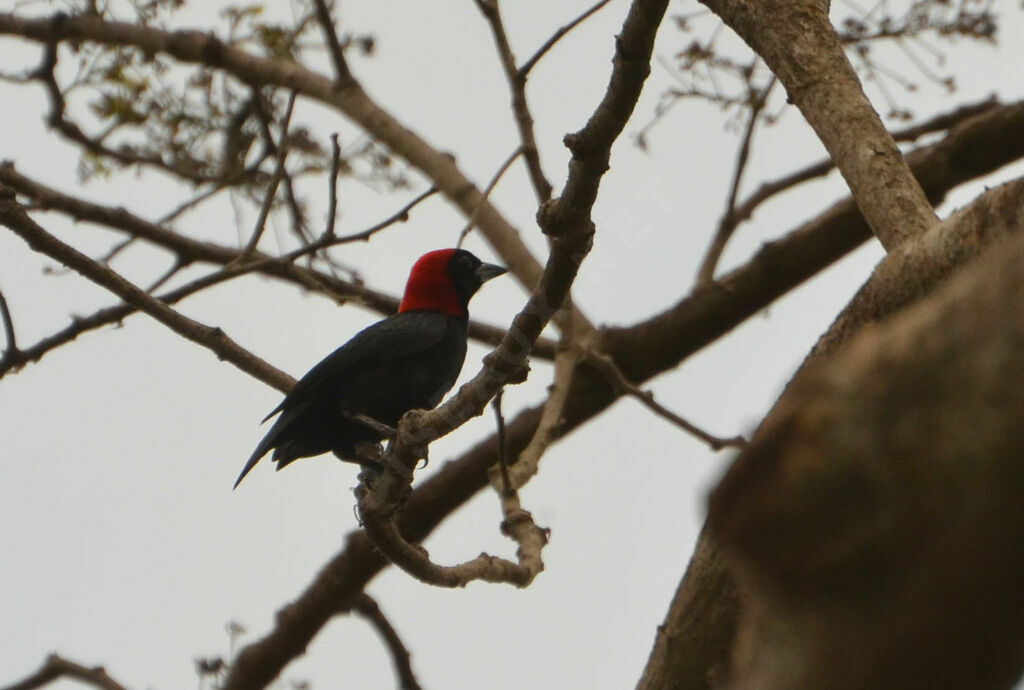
406, 361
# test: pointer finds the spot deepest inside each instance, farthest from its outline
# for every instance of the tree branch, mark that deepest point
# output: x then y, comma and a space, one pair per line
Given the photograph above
938, 123
527, 66
348, 98
12, 355
487, 192
56, 667
197, 251
801, 47
898, 455
279, 173
366, 607
996, 215
323, 16
14, 217
624, 386
520, 109
730, 219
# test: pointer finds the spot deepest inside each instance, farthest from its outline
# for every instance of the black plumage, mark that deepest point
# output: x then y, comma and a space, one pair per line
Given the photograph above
407, 361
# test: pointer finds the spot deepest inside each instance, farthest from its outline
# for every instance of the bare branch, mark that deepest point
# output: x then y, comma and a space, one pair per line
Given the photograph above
505, 487
378, 517
641, 351
520, 109
215, 188
323, 16
179, 263
414, 560
56, 667
487, 192
331, 240
552, 415
938, 123
11, 352
800, 45
110, 315
366, 607
728, 223
555, 37
283, 269
14, 217
608, 367
332, 185
279, 173
203, 48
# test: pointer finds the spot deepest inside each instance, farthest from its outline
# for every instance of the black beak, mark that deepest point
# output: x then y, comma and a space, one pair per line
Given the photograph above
487, 271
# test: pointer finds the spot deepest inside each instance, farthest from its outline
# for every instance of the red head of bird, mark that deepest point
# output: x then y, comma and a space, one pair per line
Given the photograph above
444, 280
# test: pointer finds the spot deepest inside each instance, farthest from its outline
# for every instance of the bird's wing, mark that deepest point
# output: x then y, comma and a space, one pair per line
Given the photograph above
395, 337
386, 341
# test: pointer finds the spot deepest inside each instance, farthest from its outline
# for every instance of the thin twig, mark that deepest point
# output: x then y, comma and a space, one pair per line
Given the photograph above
116, 249
323, 15
14, 217
56, 667
610, 369
487, 191
939, 123
337, 290
299, 225
520, 109
180, 262
555, 37
218, 186
706, 272
377, 427
332, 186
499, 419
11, 352
279, 173
399, 216
366, 607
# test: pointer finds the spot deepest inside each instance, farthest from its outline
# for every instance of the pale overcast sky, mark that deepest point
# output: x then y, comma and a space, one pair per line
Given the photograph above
122, 541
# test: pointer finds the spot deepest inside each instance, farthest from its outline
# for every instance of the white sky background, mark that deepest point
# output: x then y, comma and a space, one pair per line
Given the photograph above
122, 541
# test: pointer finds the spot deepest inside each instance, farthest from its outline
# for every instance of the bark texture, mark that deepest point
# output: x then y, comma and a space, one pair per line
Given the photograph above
876, 523
682, 656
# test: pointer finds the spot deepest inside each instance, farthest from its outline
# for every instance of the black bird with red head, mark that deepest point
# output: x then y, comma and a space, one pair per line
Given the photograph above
407, 361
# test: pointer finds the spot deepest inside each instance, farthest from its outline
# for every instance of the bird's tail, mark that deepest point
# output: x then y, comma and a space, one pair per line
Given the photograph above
260, 451
265, 445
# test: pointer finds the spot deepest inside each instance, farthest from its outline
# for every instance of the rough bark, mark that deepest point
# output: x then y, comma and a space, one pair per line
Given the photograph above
677, 659
875, 523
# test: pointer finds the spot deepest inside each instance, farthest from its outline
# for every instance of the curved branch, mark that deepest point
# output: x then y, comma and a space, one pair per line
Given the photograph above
567, 222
